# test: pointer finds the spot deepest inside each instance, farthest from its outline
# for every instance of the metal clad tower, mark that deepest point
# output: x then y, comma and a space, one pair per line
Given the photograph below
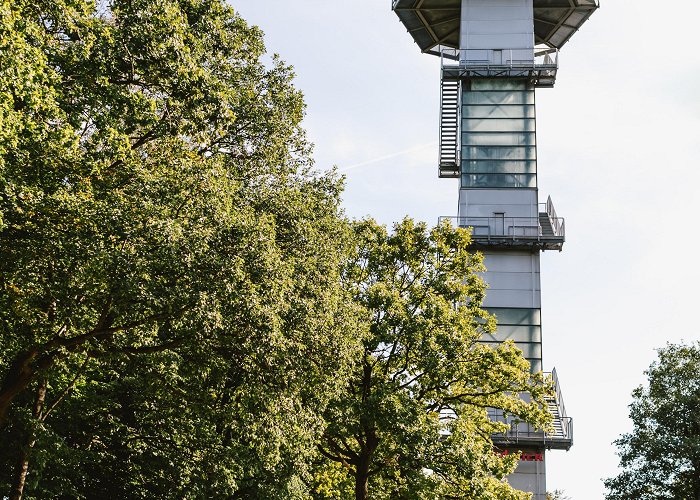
494, 54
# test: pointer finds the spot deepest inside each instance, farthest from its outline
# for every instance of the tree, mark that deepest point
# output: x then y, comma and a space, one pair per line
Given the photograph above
412, 422
171, 315
660, 458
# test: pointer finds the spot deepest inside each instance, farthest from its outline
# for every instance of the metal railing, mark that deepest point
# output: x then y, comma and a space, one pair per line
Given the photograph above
508, 228
524, 58
562, 431
538, 66
557, 392
522, 432
557, 222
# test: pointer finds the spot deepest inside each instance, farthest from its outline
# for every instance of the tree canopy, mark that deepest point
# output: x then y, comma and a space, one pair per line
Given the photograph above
660, 458
412, 422
171, 315
185, 312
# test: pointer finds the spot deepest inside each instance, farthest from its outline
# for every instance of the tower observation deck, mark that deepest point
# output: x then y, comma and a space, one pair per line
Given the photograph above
438, 24
494, 54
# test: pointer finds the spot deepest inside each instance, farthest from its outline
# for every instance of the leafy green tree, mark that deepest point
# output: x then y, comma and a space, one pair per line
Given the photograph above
557, 495
660, 458
171, 314
412, 422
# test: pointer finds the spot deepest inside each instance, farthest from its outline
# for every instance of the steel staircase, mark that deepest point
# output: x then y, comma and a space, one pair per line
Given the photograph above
546, 224
553, 408
449, 129
562, 425
559, 436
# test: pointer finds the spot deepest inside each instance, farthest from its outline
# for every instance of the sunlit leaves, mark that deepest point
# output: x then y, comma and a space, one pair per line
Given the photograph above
412, 423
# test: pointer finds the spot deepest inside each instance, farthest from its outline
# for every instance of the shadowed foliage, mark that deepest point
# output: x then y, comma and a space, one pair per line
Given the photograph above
660, 458
171, 314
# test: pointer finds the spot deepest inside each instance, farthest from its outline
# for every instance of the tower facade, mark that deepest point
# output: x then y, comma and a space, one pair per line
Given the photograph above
494, 54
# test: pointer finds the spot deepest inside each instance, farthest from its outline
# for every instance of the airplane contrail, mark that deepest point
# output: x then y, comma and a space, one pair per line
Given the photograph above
386, 157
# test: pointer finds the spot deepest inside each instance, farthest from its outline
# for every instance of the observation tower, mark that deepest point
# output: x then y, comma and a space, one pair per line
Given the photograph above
494, 54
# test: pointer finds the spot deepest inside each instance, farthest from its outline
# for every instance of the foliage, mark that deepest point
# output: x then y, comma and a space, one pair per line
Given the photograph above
412, 422
660, 458
171, 317
557, 495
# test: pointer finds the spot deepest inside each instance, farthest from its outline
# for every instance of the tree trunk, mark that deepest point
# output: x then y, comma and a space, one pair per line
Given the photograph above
17, 379
363, 465
21, 473
368, 440
362, 478
23, 461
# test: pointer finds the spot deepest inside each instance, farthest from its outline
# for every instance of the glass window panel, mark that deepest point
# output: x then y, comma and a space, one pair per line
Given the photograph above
499, 153
498, 111
530, 351
516, 316
498, 84
499, 166
517, 333
498, 138
498, 125
535, 365
495, 97
499, 180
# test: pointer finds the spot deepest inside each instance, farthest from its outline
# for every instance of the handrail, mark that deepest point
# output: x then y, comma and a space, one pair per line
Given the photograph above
524, 430
515, 228
489, 58
557, 222
519, 429
557, 393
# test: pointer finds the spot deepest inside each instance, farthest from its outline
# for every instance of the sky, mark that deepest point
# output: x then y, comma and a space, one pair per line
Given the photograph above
618, 151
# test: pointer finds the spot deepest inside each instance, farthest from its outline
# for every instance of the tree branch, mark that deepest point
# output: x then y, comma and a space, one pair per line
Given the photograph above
65, 391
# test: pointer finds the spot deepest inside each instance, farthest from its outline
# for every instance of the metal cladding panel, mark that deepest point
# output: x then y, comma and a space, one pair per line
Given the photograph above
511, 281
434, 24
472, 211
512, 298
512, 262
486, 202
530, 476
497, 24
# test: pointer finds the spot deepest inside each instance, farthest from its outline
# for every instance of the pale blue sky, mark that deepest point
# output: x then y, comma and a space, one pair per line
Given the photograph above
618, 151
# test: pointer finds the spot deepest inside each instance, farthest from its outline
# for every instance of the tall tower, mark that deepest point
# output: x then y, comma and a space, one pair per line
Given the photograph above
494, 54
